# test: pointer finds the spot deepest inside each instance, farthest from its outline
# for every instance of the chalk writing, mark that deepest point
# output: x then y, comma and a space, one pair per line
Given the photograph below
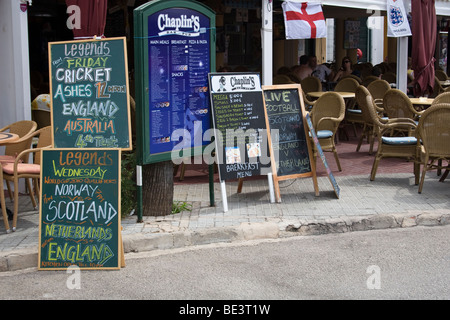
90, 94
80, 208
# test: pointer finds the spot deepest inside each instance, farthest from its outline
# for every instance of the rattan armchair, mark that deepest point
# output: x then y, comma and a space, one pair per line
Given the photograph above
437, 89
442, 98
378, 89
24, 130
326, 115
396, 104
390, 77
398, 147
13, 171
310, 84
346, 84
441, 75
369, 79
433, 132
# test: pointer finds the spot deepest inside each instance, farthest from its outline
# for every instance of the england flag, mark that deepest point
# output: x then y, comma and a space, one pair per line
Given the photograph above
304, 20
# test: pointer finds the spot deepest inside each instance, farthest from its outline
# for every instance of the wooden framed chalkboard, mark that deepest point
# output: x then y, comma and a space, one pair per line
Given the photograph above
90, 94
289, 142
80, 209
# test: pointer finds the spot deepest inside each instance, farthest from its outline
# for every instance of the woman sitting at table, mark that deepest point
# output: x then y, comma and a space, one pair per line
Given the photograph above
345, 70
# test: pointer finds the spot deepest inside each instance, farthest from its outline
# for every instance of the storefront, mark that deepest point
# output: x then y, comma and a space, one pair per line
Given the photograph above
250, 36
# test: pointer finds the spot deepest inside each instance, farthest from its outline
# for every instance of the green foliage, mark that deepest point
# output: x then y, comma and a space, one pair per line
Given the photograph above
129, 200
179, 206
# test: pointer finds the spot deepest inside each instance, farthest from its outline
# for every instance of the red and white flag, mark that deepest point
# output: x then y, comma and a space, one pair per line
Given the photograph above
304, 20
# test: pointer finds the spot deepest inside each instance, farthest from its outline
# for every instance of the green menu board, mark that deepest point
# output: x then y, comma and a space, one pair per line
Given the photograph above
89, 90
80, 209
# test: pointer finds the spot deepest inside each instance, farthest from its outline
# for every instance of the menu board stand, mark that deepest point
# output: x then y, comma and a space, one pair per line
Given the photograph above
80, 216
290, 147
241, 137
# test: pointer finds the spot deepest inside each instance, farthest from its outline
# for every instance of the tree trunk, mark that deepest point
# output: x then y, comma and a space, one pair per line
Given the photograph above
157, 189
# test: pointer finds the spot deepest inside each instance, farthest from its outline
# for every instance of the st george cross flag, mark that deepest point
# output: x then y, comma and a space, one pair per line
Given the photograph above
304, 20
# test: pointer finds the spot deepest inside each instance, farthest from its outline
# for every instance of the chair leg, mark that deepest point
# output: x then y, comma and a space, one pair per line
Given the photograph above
444, 176
361, 138
2, 202
16, 203
8, 186
422, 178
31, 192
337, 159
374, 167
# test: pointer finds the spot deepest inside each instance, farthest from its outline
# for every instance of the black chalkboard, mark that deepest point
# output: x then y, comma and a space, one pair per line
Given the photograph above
290, 144
239, 123
80, 209
90, 94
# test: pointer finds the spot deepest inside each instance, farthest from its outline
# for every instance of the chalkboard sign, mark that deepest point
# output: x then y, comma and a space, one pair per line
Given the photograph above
290, 145
239, 123
90, 94
80, 209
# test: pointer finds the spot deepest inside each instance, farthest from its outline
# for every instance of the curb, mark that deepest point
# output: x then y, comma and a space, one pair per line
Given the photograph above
141, 242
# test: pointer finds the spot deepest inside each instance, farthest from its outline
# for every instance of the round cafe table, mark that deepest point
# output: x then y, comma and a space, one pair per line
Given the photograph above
6, 137
343, 94
421, 103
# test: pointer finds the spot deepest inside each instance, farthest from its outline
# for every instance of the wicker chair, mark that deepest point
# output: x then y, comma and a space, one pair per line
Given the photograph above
433, 131
347, 84
441, 75
442, 98
358, 79
398, 147
282, 79
390, 77
396, 104
368, 80
377, 89
23, 129
310, 84
13, 171
326, 115
437, 89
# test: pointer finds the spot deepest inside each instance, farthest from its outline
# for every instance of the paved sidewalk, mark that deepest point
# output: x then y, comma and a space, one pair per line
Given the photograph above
390, 201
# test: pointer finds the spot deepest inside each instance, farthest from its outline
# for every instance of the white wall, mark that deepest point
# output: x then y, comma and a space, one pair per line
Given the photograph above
14, 63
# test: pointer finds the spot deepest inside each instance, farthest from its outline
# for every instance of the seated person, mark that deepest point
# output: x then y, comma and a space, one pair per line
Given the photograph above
320, 71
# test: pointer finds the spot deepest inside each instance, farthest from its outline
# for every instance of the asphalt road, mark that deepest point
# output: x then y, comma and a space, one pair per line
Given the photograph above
409, 263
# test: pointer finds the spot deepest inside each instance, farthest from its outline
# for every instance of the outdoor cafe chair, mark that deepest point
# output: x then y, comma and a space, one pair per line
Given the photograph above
390, 77
24, 129
442, 98
433, 132
397, 147
310, 84
437, 88
326, 115
368, 80
346, 84
13, 171
377, 89
396, 104
441, 75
